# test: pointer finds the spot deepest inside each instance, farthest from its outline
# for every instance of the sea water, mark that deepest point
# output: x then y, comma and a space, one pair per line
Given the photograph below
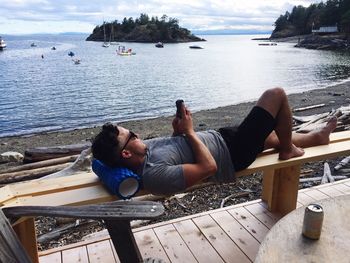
52, 93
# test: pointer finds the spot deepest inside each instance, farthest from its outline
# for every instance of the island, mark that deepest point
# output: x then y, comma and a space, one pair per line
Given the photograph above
319, 26
143, 29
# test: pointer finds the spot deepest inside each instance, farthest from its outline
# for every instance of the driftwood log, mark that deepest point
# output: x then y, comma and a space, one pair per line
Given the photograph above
19, 176
45, 153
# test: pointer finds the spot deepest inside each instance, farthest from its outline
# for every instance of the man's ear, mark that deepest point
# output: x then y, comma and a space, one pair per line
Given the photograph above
126, 154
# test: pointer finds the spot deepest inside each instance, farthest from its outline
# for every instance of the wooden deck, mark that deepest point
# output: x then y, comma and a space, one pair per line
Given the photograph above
230, 234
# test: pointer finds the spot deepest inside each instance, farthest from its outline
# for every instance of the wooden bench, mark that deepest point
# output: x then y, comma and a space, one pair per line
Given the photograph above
280, 186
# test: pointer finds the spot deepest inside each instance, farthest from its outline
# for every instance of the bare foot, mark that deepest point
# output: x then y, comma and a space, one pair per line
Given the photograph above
293, 152
322, 135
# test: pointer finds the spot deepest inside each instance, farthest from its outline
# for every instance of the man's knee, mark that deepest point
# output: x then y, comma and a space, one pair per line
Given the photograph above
275, 94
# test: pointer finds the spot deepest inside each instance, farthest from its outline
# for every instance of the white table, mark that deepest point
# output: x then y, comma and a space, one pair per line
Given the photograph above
285, 242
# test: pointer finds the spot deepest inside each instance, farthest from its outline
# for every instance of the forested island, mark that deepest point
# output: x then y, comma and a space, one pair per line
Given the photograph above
321, 26
143, 29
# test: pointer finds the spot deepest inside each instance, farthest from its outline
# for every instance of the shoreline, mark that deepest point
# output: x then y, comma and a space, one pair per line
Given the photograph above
333, 97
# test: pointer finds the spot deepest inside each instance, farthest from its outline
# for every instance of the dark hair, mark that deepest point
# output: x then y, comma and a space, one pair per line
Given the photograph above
105, 145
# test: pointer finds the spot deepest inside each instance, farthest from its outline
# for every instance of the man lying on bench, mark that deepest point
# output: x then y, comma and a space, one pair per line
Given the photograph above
171, 164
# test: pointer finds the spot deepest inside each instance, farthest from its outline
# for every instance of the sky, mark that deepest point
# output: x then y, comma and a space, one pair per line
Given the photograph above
58, 16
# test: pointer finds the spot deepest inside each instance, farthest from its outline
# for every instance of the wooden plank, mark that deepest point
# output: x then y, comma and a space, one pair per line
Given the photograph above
342, 188
316, 153
100, 252
174, 246
317, 195
253, 225
262, 214
114, 252
5, 194
222, 243
243, 239
339, 136
149, 245
330, 191
27, 236
78, 254
51, 185
196, 241
53, 258
172, 221
86, 195
305, 199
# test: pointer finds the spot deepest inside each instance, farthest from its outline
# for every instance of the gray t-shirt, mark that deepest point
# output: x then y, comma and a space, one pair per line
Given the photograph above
162, 171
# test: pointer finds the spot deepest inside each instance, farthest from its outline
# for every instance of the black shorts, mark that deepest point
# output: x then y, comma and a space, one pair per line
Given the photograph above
247, 140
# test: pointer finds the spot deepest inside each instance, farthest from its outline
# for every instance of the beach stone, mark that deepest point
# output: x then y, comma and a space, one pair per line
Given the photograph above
7, 157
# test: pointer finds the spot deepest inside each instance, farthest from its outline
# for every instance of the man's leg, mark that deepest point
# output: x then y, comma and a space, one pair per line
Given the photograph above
275, 102
304, 140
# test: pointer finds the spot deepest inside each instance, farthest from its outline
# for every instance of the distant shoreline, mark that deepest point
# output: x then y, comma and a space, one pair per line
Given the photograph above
333, 97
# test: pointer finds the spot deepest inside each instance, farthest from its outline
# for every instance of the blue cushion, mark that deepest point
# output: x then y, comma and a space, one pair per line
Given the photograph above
120, 181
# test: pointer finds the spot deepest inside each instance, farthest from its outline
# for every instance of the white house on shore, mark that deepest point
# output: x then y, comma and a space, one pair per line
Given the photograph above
326, 30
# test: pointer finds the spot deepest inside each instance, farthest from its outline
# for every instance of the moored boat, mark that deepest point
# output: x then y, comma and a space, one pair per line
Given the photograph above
159, 45
33, 45
2, 44
196, 47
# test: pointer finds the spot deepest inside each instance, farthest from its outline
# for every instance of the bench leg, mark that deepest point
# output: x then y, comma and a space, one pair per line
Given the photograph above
280, 189
25, 231
123, 241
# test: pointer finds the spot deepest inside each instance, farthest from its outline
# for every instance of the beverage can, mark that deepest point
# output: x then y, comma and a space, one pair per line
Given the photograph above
313, 219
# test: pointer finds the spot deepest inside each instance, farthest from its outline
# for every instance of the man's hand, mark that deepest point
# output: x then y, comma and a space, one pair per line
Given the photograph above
183, 125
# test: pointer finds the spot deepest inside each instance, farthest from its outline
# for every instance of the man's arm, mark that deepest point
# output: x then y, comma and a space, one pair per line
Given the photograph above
205, 164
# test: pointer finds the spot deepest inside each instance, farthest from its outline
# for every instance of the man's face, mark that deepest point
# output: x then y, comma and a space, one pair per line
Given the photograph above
130, 141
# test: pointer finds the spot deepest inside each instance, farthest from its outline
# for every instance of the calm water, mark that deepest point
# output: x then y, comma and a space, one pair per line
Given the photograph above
53, 93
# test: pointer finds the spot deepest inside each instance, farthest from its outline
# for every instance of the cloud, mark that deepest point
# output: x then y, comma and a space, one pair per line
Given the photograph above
25, 16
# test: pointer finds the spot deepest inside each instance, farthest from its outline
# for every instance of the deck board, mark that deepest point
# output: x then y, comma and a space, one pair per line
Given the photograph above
229, 234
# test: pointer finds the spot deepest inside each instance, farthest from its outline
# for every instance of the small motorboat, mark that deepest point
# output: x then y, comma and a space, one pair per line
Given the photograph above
267, 44
2, 44
122, 51
53, 48
76, 61
196, 47
159, 45
71, 54
33, 45
106, 44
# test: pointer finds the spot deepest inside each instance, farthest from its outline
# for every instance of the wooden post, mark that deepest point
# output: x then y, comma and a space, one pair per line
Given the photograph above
124, 241
280, 189
11, 250
26, 234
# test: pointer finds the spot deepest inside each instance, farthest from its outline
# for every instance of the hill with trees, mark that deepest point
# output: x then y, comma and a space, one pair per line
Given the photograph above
301, 20
144, 29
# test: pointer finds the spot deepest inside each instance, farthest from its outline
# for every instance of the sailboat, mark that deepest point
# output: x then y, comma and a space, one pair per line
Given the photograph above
112, 37
105, 44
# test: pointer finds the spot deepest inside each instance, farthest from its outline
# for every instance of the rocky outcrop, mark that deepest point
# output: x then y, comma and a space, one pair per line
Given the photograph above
326, 42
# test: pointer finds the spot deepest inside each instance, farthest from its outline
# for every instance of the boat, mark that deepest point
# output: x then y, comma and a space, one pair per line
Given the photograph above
111, 40
159, 45
196, 47
71, 54
267, 44
76, 61
33, 45
122, 51
105, 43
53, 48
2, 44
